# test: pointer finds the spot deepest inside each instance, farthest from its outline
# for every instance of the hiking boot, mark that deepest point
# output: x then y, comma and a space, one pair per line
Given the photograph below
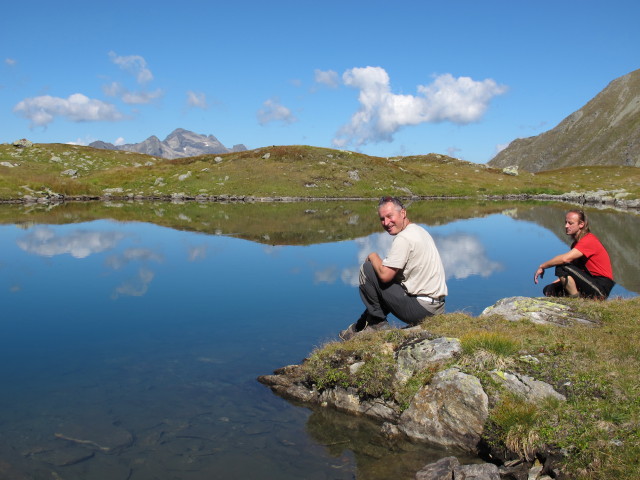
349, 333
351, 330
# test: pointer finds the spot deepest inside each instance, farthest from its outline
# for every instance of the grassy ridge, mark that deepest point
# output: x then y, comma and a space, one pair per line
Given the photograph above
296, 171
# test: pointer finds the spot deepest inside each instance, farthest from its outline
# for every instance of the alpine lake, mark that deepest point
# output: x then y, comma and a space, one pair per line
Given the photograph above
132, 333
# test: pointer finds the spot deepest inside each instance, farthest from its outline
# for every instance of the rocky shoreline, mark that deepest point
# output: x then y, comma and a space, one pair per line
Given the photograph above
452, 408
603, 199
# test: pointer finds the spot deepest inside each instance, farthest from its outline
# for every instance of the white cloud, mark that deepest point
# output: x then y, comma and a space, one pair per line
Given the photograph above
119, 141
501, 146
79, 244
197, 99
116, 89
272, 111
77, 108
452, 151
382, 113
135, 65
327, 77
141, 98
10, 61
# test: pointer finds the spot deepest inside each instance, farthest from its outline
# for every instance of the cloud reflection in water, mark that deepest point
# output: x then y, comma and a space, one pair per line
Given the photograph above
79, 244
462, 254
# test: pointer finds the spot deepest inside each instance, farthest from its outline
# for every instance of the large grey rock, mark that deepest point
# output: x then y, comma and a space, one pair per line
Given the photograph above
538, 310
348, 401
450, 411
417, 356
529, 388
479, 471
440, 470
23, 143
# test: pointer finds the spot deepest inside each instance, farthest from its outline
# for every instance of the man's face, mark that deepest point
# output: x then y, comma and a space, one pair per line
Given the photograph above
392, 218
572, 223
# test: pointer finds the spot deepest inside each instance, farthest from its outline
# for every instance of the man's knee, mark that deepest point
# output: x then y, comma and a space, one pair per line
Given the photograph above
367, 273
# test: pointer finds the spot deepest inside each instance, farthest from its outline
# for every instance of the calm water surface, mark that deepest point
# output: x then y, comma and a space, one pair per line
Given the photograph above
129, 349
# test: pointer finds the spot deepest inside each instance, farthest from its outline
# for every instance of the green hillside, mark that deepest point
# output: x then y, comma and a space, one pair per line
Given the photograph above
78, 172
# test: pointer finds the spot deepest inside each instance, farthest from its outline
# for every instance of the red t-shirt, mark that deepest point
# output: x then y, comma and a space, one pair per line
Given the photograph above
596, 259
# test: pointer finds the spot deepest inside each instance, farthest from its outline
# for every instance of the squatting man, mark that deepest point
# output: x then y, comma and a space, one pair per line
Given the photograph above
585, 270
409, 282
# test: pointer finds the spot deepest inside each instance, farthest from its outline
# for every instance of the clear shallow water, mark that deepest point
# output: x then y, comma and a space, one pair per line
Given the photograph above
144, 342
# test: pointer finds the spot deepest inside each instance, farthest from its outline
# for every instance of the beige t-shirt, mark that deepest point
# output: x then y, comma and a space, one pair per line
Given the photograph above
414, 253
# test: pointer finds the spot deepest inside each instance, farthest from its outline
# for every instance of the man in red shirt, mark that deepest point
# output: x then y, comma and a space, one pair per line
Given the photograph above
584, 271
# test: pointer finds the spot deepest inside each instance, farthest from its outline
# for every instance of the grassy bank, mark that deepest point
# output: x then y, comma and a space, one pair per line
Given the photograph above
598, 427
296, 171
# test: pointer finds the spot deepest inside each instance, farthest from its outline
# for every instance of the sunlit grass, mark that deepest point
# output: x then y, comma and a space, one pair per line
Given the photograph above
292, 171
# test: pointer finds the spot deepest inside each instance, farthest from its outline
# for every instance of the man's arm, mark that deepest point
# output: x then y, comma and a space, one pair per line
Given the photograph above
561, 259
384, 273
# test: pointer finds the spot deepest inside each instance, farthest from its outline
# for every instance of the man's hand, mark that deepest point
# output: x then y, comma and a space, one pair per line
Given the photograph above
539, 274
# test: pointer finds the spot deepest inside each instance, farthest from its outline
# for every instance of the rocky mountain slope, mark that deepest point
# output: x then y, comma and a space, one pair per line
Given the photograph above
178, 144
606, 131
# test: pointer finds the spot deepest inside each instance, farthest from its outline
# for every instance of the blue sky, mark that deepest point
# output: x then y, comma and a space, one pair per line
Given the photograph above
462, 78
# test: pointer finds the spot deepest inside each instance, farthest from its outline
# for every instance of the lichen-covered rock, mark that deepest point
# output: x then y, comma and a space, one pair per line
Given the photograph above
529, 388
538, 310
418, 355
511, 170
450, 411
22, 143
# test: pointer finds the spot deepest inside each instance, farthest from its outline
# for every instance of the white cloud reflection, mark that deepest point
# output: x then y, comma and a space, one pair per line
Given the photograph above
136, 286
131, 255
79, 244
463, 255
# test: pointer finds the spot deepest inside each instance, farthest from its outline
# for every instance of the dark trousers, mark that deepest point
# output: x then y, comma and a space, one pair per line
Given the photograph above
380, 299
588, 285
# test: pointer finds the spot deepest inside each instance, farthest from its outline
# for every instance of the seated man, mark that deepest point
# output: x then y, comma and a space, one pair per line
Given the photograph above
409, 282
584, 271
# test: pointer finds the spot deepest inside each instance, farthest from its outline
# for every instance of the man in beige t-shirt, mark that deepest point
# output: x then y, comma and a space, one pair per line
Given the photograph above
409, 282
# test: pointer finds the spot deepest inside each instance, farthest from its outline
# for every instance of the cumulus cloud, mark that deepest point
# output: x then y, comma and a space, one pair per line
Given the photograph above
79, 244
197, 100
10, 61
382, 113
119, 141
116, 89
273, 111
135, 65
41, 111
328, 78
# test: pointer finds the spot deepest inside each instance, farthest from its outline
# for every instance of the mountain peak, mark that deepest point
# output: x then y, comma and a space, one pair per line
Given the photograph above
179, 143
606, 131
